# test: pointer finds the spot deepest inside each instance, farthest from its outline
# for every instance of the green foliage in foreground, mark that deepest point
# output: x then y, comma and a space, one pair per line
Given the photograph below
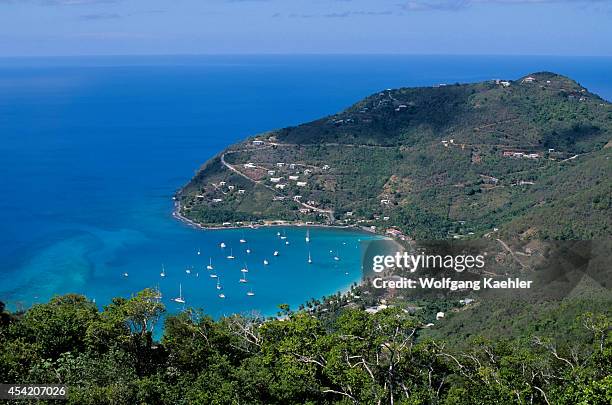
110, 357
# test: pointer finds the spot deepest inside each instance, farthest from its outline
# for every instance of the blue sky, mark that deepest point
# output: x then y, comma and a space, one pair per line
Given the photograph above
507, 27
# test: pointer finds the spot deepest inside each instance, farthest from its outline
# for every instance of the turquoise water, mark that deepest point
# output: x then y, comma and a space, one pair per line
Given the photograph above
93, 149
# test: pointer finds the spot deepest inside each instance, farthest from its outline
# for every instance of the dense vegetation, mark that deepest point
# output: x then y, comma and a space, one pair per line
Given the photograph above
350, 358
389, 147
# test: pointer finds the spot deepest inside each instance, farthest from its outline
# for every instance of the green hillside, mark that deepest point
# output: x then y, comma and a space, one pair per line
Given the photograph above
526, 158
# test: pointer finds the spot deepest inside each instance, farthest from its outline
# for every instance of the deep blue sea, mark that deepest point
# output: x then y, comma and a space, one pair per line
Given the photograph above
92, 149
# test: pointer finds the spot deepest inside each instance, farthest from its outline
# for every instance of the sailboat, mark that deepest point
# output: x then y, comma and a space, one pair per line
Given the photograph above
222, 245
231, 255
242, 240
163, 272
125, 274
188, 270
199, 252
248, 250
276, 253
309, 258
219, 284
180, 298
243, 279
337, 257
278, 234
221, 295
250, 293
245, 269
210, 266
213, 275
307, 235
265, 262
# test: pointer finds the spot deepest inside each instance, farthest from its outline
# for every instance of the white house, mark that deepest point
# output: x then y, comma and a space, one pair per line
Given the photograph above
257, 142
275, 179
294, 177
280, 186
231, 187
439, 315
301, 184
271, 172
241, 191
216, 200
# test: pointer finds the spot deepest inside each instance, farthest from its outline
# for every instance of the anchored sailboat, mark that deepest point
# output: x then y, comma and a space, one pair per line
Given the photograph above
210, 266
307, 235
163, 272
309, 258
180, 298
231, 255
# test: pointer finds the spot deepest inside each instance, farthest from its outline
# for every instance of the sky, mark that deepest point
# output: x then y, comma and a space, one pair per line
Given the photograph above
449, 27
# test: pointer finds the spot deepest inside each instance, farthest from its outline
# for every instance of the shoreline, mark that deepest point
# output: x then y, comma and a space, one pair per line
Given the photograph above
180, 217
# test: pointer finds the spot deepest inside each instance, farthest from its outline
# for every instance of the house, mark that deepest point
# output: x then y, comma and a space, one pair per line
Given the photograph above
297, 198
275, 179
304, 210
292, 166
278, 198
307, 171
529, 79
439, 316
271, 172
301, 184
281, 186
258, 142
200, 197
312, 202
249, 165
326, 167
504, 83
231, 187
349, 214
373, 310
241, 191
216, 200
385, 218
466, 301
280, 164
222, 183
294, 177
385, 202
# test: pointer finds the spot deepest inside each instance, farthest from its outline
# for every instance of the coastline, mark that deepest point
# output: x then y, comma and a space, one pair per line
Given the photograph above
176, 213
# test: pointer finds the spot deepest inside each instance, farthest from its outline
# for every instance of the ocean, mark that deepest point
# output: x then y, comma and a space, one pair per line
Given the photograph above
92, 150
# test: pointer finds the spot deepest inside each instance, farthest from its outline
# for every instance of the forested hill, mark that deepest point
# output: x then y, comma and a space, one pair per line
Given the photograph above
453, 160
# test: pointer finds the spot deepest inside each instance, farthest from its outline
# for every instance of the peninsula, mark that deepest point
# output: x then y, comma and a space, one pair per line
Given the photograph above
524, 158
